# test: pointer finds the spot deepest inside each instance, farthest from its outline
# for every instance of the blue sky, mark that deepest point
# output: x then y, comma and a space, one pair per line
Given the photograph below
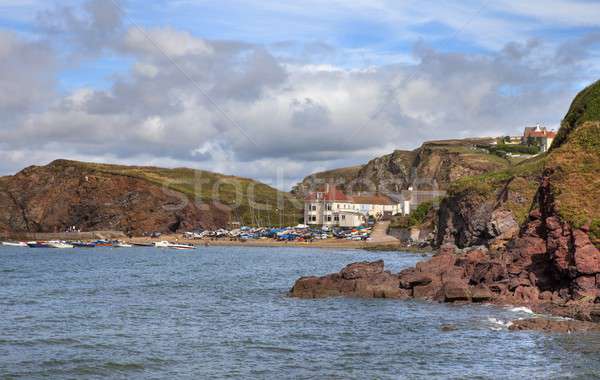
405, 71
363, 33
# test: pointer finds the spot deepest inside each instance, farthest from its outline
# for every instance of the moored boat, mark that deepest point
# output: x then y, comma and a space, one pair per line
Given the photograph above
166, 244
122, 245
80, 244
14, 244
103, 243
59, 244
37, 244
181, 246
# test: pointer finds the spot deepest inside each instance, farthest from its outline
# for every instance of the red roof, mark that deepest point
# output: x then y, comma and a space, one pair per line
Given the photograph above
332, 195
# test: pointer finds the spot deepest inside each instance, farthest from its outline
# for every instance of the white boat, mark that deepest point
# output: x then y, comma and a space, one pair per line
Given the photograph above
14, 244
59, 244
122, 245
182, 246
166, 244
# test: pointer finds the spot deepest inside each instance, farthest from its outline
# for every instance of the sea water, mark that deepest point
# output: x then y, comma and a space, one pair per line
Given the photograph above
223, 312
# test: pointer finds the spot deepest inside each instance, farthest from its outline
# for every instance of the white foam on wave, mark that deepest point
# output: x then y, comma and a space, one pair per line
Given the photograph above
499, 324
522, 309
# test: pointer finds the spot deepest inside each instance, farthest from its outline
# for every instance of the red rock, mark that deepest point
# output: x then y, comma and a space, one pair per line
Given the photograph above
453, 273
587, 259
481, 293
437, 264
515, 282
447, 249
546, 296
553, 325
585, 287
553, 223
362, 270
535, 214
488, 272
366, 280
527, 294
476, 255
410, 279
454, 290
498, 288
428, 291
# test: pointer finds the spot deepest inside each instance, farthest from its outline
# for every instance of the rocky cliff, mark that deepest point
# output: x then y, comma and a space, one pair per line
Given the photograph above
530, 235
487, 209
434, 164
130, 199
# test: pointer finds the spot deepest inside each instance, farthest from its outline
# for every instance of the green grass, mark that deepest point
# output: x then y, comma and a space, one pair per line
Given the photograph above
521, 179
585, 107
575, 177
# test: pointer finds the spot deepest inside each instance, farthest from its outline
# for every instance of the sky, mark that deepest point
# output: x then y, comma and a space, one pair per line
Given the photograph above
277, 89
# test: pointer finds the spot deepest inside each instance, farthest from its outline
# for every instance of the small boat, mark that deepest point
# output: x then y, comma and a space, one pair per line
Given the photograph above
122, 245
37, 244
59, 244
79, 244
181, 246
166, 244
14, 244
103, 243
142, 244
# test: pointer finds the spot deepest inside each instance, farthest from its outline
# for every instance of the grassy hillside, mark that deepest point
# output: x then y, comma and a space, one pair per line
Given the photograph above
576, 177
251, 202
444, 161
585, 107
573, 165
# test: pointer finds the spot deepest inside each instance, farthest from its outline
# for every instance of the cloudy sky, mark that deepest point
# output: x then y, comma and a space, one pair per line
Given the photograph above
276, 89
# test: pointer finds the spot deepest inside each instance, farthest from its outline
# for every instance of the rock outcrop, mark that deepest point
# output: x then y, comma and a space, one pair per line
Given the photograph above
554, 325
365, 280
55, 197
434, 165
133, 200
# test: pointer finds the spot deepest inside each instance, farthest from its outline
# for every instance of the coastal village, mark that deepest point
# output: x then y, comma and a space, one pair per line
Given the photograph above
300, 190
328, 213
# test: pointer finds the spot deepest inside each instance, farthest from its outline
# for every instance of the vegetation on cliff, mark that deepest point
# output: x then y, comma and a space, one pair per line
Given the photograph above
434, 164
571, 166
135, 199
251, 202
585, 107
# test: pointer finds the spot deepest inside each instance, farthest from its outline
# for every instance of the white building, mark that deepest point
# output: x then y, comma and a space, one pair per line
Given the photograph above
334, 208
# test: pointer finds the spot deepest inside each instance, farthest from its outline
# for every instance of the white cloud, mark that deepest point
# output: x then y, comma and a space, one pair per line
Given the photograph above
238, 108
164, 41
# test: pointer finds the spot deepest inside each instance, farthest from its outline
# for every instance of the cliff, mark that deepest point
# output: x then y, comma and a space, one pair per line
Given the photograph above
436, 164
486, 209
526, 235
130, 199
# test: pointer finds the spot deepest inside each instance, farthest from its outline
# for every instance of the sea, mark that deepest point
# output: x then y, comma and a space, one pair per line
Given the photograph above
224, 313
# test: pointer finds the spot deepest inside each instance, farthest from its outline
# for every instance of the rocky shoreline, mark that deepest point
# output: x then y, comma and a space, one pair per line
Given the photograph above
471, 276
